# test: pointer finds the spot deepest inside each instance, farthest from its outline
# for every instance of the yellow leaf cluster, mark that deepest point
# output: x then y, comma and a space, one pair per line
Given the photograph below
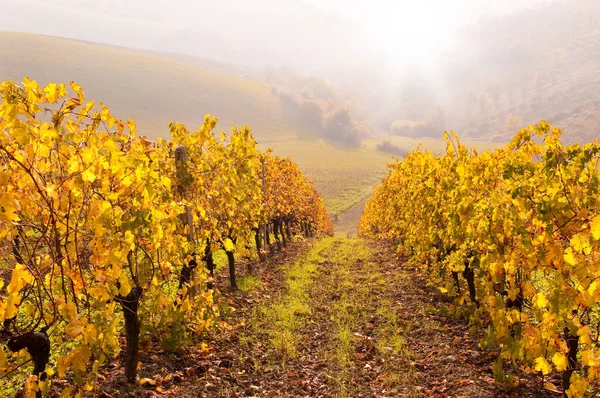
92, 212
514, 232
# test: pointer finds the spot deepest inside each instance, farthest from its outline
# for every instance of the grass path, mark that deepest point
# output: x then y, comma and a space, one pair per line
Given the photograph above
334, 322
341, 318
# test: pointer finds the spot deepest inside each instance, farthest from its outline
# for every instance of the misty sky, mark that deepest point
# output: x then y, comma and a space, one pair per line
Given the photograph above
308, 35
417, 29
469, 65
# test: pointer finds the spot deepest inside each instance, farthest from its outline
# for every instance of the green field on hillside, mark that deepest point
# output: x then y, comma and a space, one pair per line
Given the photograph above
344, 177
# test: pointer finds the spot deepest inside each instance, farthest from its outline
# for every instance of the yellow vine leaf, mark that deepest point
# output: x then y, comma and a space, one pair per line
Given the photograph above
541, 365
228, 245
88, 176
551, 387
578, 386
540, 300
146, 381
581, 244
31, 386
9, 207
569, 257
79, 91
595, 227
21, 277
51, 91
560, 361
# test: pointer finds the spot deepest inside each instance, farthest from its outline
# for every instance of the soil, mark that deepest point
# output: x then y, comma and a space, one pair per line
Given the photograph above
375, 297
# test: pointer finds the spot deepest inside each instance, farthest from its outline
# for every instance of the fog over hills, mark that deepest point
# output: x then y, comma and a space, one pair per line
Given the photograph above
341, 86
254, 33
482, 68
540, 63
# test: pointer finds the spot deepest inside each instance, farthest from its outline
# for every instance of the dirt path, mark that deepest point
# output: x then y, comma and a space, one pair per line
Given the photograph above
348, 221
341, 319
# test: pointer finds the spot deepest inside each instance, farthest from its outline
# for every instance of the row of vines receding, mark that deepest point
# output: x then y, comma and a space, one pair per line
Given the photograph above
102, 231
514, 236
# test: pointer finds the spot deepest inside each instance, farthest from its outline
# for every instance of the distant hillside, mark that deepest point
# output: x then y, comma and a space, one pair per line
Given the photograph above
506, 72
542, 63
150, 88
232, 31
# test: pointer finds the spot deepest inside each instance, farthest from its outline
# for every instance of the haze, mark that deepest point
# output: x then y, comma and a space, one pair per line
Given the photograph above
311, 36
401, 67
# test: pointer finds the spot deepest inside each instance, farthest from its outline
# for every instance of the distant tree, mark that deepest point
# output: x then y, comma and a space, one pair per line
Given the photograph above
387, 146
311, 114
340, 127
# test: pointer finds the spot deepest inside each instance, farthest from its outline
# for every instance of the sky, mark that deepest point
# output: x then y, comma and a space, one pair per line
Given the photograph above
403, 59
418, 30
413, 29
312, 35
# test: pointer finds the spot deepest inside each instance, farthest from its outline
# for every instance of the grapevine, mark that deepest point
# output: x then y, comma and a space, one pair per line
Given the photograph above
514, 236
102, 230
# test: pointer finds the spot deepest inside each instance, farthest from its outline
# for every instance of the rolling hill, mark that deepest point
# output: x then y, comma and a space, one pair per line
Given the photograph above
508, 71
515, 72
146, 87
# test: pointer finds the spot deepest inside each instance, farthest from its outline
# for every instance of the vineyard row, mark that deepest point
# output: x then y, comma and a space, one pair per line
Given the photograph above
102, 231
514, 236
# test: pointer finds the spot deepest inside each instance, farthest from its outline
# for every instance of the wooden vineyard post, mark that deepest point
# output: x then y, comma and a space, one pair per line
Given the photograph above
265, 226
183, 181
